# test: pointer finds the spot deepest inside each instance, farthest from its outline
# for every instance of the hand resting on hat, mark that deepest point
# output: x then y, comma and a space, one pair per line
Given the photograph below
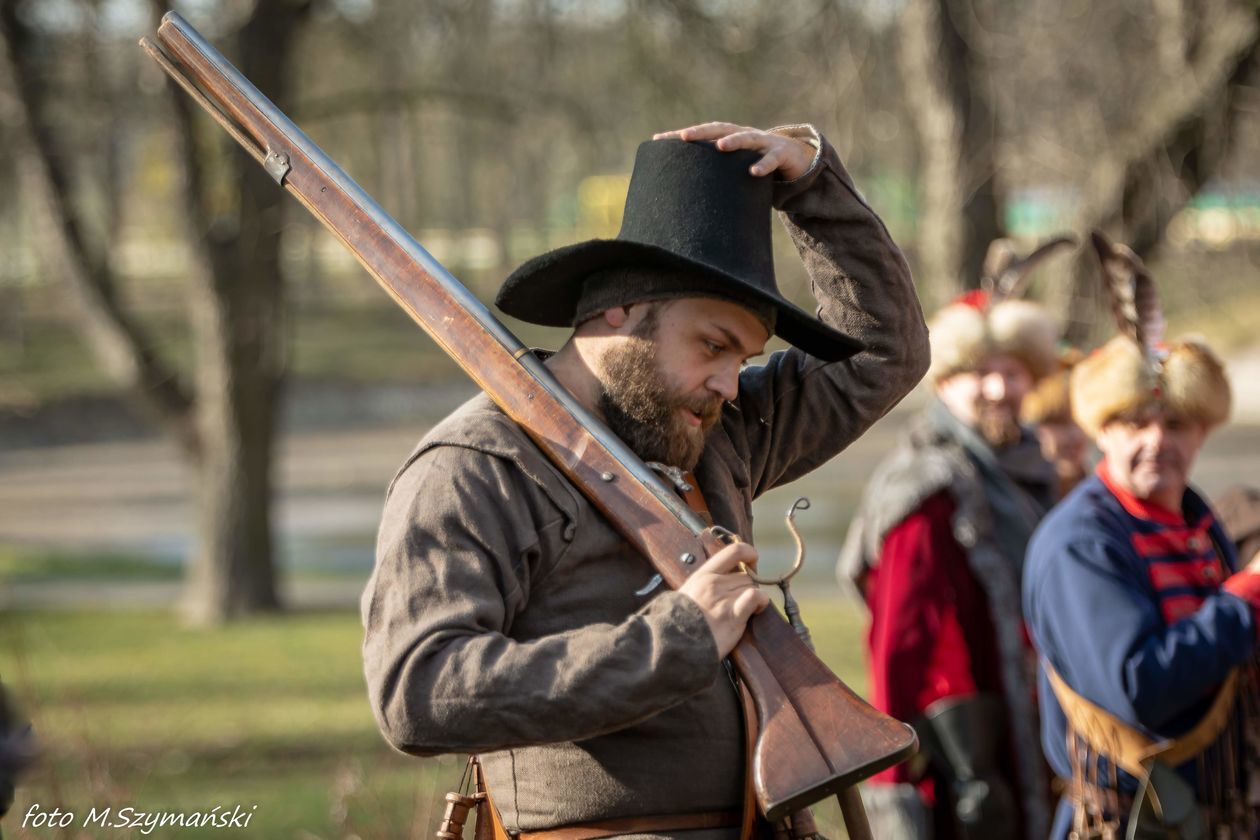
788, 157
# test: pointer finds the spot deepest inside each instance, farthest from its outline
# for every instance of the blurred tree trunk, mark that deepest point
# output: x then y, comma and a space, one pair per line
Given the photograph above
236, 313
946, 87
1209, 55
224, 421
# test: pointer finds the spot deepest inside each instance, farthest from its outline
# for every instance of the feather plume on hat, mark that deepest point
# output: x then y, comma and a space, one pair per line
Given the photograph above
1137, 370
993, 319
1006, 275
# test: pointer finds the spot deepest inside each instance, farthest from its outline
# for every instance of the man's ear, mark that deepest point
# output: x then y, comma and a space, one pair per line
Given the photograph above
1104, 438
616, 317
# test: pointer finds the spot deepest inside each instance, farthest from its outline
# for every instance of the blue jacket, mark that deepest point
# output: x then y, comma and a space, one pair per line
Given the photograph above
1130, 611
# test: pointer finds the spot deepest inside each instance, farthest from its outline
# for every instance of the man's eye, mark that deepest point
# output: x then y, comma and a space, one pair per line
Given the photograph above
713, 347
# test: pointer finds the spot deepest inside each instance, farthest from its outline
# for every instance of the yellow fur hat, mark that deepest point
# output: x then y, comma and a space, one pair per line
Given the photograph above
1137, 370
966, 331
1116, 379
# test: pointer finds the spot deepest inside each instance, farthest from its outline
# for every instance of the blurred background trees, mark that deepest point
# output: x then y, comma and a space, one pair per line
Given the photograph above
76, 167
494, 129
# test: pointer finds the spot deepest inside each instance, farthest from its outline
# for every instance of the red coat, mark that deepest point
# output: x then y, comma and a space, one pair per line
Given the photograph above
931, 635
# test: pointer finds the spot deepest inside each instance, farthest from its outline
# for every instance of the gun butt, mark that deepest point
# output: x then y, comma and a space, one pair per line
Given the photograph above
817, 737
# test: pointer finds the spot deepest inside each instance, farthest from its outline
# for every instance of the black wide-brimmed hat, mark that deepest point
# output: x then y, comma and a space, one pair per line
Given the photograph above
696, 213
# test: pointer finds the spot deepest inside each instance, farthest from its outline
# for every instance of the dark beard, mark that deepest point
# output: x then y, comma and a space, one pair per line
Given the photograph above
643, 411
1000, 431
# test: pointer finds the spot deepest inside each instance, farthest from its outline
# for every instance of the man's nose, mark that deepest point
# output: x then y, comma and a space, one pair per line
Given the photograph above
725, 382
993, 386
1154, 434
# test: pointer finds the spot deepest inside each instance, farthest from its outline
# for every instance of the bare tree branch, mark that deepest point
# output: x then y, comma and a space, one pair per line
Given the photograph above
1172, 37
124, 350
1230, 38
1169, 154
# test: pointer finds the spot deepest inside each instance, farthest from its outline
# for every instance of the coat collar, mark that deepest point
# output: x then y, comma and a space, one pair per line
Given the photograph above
1141, 508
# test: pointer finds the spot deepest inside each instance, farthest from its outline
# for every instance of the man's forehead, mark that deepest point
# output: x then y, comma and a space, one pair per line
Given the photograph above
741, 324
1140, 415
1001, 362
991, 363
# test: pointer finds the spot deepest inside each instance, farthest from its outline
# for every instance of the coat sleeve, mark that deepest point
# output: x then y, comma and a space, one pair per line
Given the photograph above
798, 411
1098, 621
454, 564
918, 649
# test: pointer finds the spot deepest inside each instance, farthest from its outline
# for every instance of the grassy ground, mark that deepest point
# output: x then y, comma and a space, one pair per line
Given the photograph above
24, 564
133, 709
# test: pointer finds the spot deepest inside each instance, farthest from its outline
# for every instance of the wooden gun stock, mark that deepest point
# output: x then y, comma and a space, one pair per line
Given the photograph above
817, 737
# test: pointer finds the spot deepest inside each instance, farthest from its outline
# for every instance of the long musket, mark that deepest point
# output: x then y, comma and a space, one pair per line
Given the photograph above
816, 736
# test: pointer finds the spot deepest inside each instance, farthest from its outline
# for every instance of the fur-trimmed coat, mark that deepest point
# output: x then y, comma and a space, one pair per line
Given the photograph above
938, 565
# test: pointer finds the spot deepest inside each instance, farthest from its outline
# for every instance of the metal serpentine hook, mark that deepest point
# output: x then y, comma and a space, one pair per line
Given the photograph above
800, 504
728, 538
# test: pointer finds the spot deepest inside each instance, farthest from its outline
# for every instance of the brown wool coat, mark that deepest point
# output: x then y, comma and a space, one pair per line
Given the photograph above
501, 616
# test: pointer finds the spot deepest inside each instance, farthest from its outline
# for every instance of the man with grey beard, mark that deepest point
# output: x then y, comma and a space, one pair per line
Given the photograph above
936, 551
502, 617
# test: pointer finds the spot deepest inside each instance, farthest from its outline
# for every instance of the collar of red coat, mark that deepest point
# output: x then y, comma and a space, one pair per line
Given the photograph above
1141, 508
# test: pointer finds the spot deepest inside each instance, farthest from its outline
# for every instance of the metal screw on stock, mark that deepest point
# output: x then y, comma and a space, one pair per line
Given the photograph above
790, 607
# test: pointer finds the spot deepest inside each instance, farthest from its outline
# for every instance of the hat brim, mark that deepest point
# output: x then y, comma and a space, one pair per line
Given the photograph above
545, 290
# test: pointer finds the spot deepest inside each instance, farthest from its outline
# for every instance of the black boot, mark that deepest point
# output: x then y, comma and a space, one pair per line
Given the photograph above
964, 737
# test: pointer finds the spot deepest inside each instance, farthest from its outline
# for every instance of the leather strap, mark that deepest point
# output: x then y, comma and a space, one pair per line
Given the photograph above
1128, 748
489, 822
658, 824
748, 815
650, 824
800, 824
695, 499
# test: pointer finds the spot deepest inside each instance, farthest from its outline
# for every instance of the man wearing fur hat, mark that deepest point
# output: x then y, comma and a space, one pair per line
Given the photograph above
506, 616
1133, 598
1047, 409
936, 550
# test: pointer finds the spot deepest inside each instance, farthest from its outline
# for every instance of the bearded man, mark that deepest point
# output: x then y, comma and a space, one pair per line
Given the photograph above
502, 617
936, 550
1134, 603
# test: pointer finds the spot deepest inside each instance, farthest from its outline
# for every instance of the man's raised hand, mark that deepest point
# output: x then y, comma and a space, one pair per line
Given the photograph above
787, 157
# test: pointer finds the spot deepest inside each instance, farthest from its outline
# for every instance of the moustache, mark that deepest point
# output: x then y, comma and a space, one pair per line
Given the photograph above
708, 409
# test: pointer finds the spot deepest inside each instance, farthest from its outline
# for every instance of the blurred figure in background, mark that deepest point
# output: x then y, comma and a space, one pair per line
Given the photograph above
1048, 411
1239, 511
1133, 598
17, 749
935, 550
